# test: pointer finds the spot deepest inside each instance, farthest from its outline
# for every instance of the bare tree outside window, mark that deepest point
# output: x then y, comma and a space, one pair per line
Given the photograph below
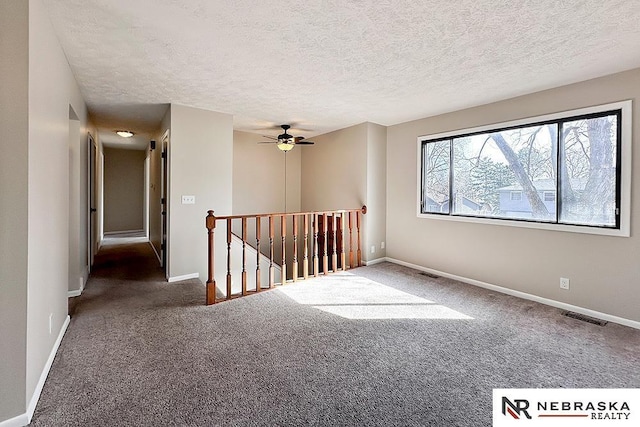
565, 170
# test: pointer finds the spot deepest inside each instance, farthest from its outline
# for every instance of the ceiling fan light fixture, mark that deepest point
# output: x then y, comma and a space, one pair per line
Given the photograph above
285, 145
125, 133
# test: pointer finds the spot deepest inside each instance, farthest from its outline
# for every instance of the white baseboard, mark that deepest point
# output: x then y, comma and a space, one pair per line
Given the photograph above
45, 372
184, 277
553, 303
82, 279
156, 252
375, 261
19, 421
115, 233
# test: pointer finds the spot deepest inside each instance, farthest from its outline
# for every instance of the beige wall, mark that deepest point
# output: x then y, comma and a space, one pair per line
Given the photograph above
334, 170
376, 217
14, 143
258, 176
604, 271
52, 89
123, 189
346, 169
36, 187
200, 165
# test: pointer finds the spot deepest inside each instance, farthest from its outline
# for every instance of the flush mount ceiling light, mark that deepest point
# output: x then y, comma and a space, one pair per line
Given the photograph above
125, 133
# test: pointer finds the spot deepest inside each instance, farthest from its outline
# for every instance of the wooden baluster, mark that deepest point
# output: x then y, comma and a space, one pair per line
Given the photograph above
325, 256
343, 255
350, 240
244, 256
258, 254
229, 258
211, 281
334, 243
316, 264
294, 273
305, 253
272, 272
283, 232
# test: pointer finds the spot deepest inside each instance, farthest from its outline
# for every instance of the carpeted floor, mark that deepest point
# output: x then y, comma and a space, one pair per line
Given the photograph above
377, 346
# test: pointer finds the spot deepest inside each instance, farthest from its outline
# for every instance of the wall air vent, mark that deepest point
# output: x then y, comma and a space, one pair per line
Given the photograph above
584, 318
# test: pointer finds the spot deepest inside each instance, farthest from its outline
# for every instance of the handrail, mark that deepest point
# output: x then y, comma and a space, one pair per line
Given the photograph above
265, 215
334, 256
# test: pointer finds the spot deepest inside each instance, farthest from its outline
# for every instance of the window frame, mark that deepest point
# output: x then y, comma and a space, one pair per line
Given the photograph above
623, 170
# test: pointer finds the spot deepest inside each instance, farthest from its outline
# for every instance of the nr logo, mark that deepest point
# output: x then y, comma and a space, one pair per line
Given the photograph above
516, 409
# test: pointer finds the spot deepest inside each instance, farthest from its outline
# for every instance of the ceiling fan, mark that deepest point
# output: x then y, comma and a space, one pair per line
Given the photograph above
286, 142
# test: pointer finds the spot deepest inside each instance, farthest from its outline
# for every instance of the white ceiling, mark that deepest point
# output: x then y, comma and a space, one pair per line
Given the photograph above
327, 64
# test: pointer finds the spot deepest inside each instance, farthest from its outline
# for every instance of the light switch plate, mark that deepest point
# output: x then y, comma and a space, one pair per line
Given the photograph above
188, 200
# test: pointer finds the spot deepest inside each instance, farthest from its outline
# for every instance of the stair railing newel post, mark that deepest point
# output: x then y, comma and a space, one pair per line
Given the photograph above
210, 223
363, 211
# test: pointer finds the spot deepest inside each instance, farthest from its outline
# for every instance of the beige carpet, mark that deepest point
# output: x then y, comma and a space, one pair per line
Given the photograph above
380, 346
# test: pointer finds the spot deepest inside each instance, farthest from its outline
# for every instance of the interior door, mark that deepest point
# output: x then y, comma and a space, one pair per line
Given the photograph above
163, 202
92, 240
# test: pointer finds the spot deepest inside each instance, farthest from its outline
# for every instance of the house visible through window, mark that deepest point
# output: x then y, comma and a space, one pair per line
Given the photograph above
549, 196
564, 170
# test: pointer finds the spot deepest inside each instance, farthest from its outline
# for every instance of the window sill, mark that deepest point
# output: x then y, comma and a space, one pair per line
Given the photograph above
622, 232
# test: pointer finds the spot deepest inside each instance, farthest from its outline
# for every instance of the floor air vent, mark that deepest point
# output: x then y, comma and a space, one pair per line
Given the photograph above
585, 318
432, 276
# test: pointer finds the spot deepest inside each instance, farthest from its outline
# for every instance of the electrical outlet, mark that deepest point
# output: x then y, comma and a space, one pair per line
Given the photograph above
373, 249
564, 283
188, 200
382, 245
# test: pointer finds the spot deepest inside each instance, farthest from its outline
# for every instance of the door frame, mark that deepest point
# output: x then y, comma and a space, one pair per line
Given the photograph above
164, 204
92, 229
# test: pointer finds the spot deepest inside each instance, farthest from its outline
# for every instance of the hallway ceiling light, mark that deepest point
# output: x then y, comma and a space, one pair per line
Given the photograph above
125, 133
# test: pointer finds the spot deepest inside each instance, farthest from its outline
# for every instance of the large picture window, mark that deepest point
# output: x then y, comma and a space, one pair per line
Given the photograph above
563, 169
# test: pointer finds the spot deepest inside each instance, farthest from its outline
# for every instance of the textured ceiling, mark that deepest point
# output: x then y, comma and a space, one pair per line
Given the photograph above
328, 64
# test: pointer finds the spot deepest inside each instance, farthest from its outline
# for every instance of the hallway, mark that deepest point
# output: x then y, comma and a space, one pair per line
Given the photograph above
119, 340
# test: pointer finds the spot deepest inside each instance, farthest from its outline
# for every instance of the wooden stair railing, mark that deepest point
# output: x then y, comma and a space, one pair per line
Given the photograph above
330, 261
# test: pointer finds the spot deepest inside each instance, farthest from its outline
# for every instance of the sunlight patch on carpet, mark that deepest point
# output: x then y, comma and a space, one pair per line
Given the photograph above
353, 297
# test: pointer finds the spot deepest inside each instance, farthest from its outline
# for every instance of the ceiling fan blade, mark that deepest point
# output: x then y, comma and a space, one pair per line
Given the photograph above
305, 142
268, 142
